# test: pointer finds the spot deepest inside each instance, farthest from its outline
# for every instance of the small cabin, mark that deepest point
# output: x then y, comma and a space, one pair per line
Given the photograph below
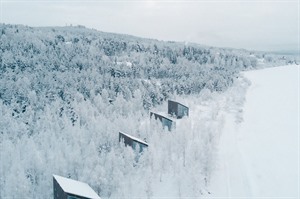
164, 120
132, 141
177, 109
66, 188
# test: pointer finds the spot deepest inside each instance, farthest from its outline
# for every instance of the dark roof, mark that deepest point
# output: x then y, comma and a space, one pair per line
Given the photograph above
178, 103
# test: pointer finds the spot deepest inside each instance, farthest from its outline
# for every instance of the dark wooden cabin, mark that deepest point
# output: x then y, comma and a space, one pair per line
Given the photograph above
166, 122
132, 141
65, 188
177, 109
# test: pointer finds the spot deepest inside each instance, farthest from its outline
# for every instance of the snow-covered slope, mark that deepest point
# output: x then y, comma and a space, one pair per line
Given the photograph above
259, 157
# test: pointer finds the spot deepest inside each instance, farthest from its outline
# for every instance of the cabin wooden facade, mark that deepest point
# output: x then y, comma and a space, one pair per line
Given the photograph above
166, 122
132, 141
177, 109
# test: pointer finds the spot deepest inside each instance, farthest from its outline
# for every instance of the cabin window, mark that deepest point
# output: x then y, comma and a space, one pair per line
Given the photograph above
134, 145
167, 123
180, 110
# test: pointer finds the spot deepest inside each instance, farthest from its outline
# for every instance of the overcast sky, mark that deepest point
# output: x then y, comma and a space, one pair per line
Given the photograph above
259, 25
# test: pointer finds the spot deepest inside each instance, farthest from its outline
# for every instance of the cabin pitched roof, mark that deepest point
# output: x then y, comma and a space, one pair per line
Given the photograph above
172, 101
134, 138
162, 114
76, 187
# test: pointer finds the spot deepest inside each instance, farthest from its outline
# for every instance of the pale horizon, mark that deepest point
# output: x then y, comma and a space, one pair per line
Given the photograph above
258, 26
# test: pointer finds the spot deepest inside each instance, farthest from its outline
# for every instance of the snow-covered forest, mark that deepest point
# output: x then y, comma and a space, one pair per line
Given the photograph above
66, 92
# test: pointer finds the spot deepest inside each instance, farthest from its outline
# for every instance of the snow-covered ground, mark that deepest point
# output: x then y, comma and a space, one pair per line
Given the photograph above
241, 143
259, 153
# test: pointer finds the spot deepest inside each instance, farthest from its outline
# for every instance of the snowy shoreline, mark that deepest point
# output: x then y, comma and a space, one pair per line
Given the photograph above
259, 157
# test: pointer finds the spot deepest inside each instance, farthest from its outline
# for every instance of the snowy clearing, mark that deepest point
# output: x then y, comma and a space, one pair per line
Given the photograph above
258, 157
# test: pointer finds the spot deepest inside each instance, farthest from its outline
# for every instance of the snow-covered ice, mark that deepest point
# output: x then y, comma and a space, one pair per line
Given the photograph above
259, 157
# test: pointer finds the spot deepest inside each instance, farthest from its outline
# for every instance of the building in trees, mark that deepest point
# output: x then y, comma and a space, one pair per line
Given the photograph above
134, 142
65, 188
166, 122
177, 109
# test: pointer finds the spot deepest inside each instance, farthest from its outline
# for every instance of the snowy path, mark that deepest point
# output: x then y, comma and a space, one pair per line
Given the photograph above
259, 157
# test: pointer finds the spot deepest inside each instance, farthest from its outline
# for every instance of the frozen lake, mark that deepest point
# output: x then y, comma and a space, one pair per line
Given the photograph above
259, 157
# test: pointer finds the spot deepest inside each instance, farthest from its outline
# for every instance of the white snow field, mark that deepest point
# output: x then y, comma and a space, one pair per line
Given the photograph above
258, 154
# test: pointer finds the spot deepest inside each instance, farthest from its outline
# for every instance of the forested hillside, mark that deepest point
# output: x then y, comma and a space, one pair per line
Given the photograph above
95, 61
65, 92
